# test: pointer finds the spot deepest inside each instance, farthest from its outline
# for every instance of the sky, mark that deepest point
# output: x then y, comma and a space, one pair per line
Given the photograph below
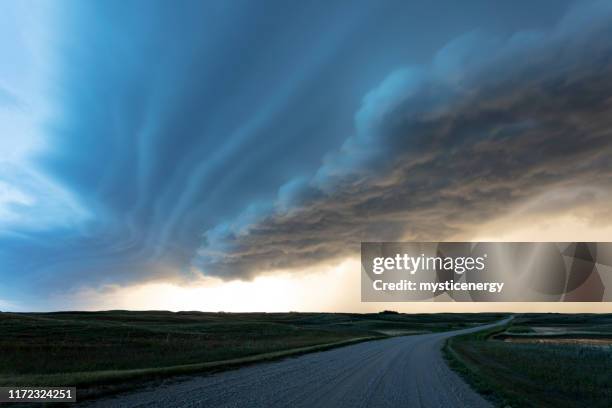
217, 155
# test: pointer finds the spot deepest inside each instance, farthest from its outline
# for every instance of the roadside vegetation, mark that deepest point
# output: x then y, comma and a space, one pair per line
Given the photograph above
94, 349
539, 360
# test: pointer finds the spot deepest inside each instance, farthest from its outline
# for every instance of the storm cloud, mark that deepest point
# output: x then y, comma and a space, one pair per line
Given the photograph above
234, 138
441, 148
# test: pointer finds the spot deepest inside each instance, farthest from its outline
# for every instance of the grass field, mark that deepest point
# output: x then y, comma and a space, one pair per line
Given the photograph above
94, 348
550, 374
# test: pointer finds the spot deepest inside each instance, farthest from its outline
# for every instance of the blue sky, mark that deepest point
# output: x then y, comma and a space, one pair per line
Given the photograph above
156, 140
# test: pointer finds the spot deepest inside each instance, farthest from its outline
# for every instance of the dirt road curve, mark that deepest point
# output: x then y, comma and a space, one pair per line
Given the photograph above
397, 372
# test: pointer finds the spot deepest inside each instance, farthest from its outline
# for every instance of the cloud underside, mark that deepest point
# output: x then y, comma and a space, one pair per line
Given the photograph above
450, 150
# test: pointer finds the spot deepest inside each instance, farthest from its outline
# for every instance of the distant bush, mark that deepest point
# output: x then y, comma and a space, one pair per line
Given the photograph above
388, 312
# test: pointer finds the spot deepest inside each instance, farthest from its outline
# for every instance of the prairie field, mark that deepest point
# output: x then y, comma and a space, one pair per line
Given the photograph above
94, 348
540, 361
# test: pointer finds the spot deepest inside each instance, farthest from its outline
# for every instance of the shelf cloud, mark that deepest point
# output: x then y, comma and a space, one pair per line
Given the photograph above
446, 146
230, 139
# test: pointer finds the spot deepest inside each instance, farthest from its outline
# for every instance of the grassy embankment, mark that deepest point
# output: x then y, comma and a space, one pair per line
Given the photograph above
530, 363
93, 350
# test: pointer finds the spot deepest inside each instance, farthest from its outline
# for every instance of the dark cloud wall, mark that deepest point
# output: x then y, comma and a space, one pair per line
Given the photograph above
192, 134
447, 146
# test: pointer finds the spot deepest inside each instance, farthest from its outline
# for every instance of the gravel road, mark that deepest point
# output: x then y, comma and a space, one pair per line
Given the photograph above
397, 372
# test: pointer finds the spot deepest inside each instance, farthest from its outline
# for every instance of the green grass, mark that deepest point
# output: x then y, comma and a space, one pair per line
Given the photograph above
95, 383
536, 375
98, 348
